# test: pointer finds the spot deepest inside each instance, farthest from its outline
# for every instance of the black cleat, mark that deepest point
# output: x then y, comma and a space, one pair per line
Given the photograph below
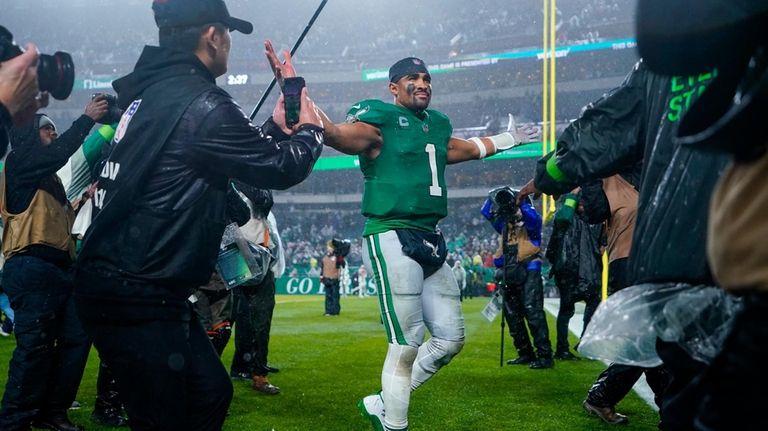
566, 356
522, 360
541, 363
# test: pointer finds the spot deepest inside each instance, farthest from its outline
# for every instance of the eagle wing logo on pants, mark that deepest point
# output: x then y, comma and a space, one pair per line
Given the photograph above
432, 247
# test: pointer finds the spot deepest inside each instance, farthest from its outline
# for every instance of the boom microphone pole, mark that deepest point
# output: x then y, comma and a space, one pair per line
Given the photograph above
293, 51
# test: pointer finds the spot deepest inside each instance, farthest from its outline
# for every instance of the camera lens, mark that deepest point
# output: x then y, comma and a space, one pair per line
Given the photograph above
56, 74
503, 197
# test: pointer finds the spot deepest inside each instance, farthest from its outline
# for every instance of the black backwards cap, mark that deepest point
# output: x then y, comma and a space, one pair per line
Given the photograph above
405, 67
187, 13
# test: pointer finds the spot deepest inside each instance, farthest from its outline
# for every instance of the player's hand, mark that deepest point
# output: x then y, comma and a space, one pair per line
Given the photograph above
280, 69
527, 190
308, 113
523, 134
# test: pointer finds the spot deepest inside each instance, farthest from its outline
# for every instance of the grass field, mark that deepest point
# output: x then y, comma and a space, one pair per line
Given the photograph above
328, 363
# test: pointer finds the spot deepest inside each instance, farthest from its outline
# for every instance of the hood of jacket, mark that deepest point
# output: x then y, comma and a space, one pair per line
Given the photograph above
27, 135
156, 64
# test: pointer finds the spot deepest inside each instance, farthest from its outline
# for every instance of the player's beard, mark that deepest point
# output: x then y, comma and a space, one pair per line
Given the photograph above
419, 103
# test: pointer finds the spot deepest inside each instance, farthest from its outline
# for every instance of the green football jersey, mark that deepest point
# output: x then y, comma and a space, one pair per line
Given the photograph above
405, 184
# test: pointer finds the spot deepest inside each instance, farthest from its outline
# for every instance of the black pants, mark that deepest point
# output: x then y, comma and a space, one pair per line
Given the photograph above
679, 403
332, 296
214, 310
569, 296
167, 372
51, 347
253, 308
526, 303
107, 395
734, 385
615, 382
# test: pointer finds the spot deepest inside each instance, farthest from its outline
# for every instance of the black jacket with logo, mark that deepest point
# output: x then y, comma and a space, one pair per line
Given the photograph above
161, 200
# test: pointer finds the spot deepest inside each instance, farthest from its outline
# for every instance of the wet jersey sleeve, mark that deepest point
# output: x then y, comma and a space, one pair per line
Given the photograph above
370, 111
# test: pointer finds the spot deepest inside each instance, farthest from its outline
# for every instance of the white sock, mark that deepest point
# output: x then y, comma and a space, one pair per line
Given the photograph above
396, 385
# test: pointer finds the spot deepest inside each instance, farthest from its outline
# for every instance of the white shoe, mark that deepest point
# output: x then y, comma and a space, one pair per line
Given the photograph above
372, 407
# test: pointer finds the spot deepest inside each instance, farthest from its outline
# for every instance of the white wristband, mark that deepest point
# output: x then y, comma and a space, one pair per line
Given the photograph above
480, 146
503, 141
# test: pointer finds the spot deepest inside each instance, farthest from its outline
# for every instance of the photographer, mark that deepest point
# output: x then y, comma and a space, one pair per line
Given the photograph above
52, 349
518, 259
332, 262
254, 300
577, 266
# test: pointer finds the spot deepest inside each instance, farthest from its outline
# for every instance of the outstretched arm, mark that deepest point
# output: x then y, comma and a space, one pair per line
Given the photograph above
352, 138
461, 150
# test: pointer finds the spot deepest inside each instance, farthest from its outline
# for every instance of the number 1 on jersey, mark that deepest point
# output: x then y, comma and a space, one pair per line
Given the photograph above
434, 189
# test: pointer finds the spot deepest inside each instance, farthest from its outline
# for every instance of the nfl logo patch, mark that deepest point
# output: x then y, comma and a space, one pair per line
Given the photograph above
126, 119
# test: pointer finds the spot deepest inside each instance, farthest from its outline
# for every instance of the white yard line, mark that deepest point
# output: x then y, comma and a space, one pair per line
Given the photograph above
575, 326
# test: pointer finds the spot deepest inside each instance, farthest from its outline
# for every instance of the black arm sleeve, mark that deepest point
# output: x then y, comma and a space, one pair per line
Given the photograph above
33, 162
271, 129
47, 159
605, 139
596, 206
230, 145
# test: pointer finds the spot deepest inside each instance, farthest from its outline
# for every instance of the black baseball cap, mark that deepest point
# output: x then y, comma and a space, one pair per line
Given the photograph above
407, 66
185, 13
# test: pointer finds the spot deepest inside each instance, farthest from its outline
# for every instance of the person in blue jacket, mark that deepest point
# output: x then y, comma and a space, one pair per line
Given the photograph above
523, 291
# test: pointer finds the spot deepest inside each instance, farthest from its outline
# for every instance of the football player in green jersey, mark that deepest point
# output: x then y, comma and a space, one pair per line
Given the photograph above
403, 150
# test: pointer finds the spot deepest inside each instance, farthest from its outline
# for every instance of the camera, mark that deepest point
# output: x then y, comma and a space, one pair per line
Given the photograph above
55, 73
113, 112
341, 247
504, 201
